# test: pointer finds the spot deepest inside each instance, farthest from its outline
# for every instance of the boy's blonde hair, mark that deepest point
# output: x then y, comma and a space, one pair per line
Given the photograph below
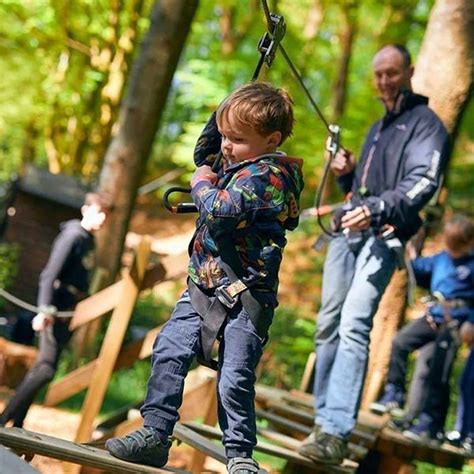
261, 106
459, 233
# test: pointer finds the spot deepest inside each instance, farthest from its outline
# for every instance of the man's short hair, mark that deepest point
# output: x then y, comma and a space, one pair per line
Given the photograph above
402, 50
459, 232
261, 106
99, 199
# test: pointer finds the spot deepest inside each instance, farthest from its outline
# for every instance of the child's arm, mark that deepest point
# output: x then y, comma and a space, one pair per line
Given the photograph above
423, 268
208, 144
245, 195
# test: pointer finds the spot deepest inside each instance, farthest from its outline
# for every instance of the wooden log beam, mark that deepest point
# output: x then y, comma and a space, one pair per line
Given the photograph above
278, 451
112, 342
22, 440
96, 305
79, 379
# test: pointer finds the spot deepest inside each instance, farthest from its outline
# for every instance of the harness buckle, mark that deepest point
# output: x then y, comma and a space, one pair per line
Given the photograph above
225, 297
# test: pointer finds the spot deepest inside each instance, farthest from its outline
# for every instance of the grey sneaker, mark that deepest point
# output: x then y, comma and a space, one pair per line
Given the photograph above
243, 466
143, 446
391, 402
324, 448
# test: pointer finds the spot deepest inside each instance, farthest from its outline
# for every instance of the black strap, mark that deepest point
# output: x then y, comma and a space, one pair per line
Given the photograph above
213, 315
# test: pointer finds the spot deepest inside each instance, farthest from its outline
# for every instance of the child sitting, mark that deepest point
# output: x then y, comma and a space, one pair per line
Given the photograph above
244, 212
449, 275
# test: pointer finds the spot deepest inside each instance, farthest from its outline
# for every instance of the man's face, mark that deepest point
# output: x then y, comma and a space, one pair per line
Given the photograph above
390, 75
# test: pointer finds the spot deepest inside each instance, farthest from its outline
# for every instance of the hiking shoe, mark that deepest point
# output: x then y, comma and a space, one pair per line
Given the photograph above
243, 466
143, 446
324, 448
400, 424
307, 446
391, 402
424, 431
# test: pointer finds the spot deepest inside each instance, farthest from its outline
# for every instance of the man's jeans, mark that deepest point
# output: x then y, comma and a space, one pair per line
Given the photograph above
175, 348
353, 283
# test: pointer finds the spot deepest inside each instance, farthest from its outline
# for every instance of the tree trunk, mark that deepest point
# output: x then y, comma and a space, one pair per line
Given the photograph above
445, 65
139, 118
444, 71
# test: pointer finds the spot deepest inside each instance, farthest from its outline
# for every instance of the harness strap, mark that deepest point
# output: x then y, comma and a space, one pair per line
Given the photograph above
213, 315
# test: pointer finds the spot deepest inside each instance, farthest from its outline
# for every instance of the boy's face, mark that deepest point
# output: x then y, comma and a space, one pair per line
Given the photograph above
242, 142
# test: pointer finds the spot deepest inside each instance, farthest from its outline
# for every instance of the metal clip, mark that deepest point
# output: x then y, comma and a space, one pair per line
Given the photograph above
332, 144
269, 42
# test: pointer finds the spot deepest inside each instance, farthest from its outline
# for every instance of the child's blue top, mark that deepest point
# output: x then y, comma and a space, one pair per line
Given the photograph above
453, 278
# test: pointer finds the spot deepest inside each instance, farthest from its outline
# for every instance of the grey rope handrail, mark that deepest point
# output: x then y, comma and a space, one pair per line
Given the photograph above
29, 307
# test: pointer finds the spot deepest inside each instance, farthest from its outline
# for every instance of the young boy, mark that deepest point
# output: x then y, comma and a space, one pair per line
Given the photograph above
244, 211
64, 279
449, 275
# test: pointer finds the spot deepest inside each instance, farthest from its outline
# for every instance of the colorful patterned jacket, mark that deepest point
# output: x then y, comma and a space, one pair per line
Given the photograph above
254, 202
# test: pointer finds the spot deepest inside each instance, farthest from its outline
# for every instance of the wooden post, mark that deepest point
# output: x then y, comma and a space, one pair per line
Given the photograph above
113, 342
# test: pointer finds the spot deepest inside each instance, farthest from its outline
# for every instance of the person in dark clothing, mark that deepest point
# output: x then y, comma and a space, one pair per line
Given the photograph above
245, 210
397, 174
449, 276
63, 281
463, 433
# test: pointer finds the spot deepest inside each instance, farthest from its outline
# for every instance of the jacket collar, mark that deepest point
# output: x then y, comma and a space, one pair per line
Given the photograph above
406, 100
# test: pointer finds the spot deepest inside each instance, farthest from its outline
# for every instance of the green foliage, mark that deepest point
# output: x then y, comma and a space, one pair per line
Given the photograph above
8, 263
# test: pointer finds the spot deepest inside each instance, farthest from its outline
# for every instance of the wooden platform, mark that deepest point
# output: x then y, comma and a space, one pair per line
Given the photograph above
28, 442
293, 413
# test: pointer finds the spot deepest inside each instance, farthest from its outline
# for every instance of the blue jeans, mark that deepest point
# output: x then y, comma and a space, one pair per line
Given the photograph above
174, 350
353, 283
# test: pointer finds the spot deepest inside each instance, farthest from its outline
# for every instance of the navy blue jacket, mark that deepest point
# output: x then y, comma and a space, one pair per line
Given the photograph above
400, 165
453, 278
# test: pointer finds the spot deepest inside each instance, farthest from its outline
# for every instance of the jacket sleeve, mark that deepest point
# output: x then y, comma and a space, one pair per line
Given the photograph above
422, 269
425, 156
60, 251
208, 144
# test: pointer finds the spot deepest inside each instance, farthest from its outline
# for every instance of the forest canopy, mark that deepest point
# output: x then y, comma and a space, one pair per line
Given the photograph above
65, 67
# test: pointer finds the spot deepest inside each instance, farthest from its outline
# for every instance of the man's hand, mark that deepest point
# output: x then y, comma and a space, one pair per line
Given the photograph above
343, 162
41, 321
357, 219
203, 173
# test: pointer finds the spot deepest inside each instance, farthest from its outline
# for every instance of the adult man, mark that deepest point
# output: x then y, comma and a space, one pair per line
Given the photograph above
62, 282
396, 175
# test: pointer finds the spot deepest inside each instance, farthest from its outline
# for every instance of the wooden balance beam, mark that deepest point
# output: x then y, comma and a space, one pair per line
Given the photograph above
29, 442
293, 410
280, 451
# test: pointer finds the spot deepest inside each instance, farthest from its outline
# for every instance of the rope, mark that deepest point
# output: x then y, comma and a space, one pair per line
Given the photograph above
30, 307
293, 68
